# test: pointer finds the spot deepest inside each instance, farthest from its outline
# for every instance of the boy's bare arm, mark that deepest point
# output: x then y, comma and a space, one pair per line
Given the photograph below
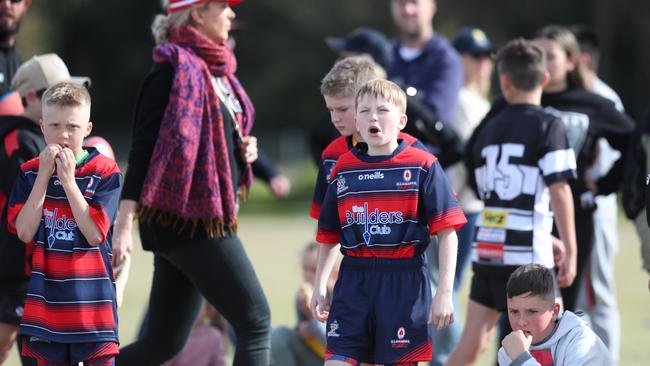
562, 202
29, 218
442, 307
326, 258
65, 169
122, 240
30, 215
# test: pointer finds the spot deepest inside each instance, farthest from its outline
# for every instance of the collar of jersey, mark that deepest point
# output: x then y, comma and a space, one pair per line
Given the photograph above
81, 158
377, 158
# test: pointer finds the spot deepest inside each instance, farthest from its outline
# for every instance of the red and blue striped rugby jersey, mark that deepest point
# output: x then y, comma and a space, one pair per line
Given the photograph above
71, 292
330, 155
387, 206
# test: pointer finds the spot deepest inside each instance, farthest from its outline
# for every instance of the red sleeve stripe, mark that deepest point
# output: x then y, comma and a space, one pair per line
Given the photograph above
328, 236
99, 217
315, 210
11, 142
455, 221
12, 214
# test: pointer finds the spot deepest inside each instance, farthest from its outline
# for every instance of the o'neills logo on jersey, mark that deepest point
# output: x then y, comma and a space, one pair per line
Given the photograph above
375, 175
59, 228
375, 222
400, 342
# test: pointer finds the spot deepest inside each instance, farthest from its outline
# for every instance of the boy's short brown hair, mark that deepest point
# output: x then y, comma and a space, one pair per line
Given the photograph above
349, 74
66, 94
386, 89
523, 62
533, 278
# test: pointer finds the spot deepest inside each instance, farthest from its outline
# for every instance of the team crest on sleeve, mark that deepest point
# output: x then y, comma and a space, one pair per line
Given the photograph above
340, 185
90, 188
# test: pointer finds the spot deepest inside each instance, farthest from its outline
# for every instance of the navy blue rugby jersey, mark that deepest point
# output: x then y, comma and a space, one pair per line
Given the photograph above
387, 206
517, 154
330, 155
71, 292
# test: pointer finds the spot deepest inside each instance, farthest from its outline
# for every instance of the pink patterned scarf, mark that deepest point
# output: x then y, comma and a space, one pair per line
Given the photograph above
189, 179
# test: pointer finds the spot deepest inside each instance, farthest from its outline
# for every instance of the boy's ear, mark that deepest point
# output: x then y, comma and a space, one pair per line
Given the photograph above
89, 128
504, 83
402, 121
546, 79
556, 310
30, 96
40, 124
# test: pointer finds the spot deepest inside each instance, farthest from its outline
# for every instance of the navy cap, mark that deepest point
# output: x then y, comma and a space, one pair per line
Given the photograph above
364, 40
474, 41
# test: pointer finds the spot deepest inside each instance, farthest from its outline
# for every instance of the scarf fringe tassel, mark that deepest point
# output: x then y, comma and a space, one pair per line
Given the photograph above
214, 227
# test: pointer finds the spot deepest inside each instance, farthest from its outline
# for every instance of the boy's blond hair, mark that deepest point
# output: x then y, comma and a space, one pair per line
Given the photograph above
66, 94
386, 89
349, 74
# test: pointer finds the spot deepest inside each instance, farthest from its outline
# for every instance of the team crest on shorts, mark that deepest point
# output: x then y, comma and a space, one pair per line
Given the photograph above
400, 342
334, 326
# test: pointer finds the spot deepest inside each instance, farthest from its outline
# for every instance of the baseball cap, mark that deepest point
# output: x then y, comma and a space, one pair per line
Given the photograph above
41, 72
474, 41
364, 40
177, 5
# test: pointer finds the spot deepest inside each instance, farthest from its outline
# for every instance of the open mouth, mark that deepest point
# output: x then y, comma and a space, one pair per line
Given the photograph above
374, 130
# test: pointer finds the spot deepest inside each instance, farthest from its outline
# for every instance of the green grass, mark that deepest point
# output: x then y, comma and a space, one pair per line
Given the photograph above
273, 242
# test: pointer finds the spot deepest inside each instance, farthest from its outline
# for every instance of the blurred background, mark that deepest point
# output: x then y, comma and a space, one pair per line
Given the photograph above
282, 55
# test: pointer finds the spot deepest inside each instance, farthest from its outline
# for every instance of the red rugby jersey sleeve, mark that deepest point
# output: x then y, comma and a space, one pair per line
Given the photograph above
319, 190
103, 205
19, 194
440, 204
329, 224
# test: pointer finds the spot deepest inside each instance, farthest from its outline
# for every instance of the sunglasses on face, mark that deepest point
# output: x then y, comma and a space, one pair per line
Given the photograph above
15, 1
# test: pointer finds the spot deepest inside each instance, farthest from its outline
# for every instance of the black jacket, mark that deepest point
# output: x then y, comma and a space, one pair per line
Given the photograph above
20, 140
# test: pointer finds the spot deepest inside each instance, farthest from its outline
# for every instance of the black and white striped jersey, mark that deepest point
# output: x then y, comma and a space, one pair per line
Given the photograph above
517, 154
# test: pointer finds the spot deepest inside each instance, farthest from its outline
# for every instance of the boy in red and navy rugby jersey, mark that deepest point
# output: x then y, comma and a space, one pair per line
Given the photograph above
62, 206
339, 88
382, 206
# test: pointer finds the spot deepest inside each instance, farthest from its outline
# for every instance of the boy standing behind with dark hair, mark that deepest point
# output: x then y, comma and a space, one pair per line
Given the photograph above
541, 334
521, 160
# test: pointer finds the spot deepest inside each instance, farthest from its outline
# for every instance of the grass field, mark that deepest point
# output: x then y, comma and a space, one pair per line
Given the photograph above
273, 242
